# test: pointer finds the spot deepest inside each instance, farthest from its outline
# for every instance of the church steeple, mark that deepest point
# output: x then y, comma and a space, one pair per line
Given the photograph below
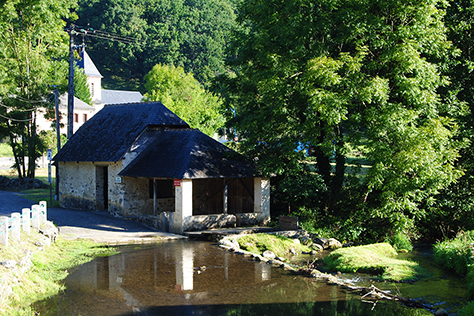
94, 78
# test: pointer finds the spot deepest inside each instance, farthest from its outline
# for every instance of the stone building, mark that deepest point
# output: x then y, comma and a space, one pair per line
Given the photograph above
140, 160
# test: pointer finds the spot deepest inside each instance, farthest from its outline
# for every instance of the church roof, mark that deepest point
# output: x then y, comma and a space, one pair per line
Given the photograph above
120, 96
78, 103
88, 65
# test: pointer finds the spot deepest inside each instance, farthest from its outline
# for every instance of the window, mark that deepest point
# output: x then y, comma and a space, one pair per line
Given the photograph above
85, 117
164, 189
76, 117
92, 89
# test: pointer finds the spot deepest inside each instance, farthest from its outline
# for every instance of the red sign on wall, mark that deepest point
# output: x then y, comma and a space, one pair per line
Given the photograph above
177, 182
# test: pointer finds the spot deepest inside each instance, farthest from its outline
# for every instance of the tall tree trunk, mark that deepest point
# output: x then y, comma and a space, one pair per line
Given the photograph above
338, 179
324, 166
32, 146
16, 156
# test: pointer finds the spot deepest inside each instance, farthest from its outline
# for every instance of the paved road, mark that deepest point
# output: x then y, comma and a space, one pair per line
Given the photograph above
97, 226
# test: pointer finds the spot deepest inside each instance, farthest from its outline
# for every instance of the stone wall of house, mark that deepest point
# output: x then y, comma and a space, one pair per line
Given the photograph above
130, 197
117, 187
77, 185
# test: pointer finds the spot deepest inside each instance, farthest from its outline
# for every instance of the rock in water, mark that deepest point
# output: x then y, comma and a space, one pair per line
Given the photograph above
441, 312
268, 254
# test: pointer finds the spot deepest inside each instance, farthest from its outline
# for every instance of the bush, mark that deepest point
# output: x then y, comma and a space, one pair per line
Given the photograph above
467, 310
455, 254
400, 242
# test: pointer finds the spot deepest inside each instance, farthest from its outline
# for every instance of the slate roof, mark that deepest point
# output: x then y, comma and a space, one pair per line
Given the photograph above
88, 65
120, 96
78, 103
187, 154
111, 132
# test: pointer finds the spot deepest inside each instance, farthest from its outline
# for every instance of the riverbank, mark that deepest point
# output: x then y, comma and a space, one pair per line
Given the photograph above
458, 255
380, 261
33, 269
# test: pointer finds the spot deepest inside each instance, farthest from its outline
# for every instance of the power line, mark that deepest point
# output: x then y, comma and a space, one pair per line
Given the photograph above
44, 102
15, 120
106, 35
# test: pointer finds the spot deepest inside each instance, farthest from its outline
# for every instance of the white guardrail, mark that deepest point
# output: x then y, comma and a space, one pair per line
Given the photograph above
23, 221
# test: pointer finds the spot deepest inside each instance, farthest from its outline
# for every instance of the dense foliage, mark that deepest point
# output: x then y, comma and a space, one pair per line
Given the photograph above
32, 44
189, 34
185, 96
316, 78
454, 207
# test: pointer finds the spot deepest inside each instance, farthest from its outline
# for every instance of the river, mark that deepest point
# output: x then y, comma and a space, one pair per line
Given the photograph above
199, 278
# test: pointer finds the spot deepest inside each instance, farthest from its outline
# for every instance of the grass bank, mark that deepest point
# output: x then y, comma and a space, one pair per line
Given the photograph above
374, 259
279, 245
457, 255
48, 268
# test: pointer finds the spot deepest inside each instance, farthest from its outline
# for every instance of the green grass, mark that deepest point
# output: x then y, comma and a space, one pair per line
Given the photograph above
279, 245
5, 150
457, 255
50, 266
375, 259
37, 195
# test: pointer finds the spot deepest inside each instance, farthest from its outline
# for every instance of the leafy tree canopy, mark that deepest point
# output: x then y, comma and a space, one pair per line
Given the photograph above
32, 44
324, 74
189, 34
185, 96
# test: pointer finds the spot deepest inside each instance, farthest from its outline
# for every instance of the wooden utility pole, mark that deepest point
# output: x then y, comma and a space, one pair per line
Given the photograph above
58, 139
70, 101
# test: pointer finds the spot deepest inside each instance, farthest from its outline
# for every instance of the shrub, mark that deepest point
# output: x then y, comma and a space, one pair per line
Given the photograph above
400, 241
467, 310
455, 254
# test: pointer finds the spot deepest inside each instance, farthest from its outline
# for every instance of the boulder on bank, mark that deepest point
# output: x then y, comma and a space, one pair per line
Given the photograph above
328, 243
49, 230
15, 184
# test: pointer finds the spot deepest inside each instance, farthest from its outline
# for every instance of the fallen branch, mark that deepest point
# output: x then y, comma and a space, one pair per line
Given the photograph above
372, 291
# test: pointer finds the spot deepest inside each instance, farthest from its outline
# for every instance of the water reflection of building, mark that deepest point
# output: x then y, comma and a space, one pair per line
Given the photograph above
184, 269
167, 273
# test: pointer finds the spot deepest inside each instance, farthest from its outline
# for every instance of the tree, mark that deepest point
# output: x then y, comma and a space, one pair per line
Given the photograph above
327, 74
185, 96
32, 44
191, 34
81, 88
453, 211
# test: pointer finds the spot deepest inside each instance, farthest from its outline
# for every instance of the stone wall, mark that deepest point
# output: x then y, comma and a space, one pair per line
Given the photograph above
128, 196
77, 185
203, 222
